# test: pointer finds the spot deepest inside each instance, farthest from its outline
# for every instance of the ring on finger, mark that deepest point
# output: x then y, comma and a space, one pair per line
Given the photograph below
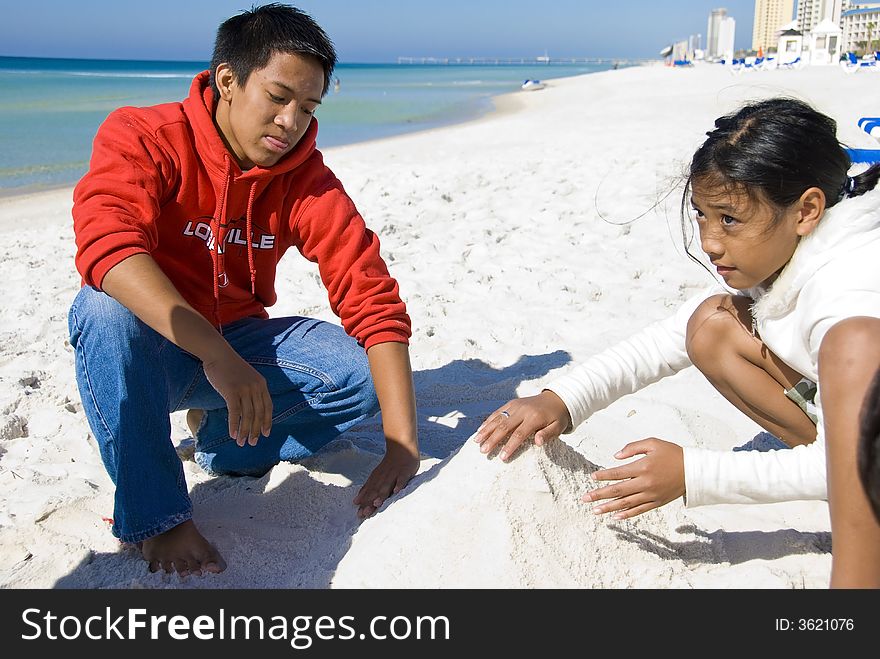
505, 414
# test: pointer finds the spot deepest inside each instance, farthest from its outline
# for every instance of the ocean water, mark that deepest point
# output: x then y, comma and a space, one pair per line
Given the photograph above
50, 109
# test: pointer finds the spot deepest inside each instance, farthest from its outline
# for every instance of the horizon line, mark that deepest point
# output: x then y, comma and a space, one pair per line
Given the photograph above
428, 59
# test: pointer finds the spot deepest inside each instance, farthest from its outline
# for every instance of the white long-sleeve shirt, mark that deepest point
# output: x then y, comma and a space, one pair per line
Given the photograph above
834, 274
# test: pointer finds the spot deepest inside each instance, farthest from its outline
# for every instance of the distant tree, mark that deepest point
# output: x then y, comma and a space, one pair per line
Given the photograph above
871, 27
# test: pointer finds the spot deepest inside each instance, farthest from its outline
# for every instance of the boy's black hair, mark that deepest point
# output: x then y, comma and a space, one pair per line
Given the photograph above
869, 445
247, 41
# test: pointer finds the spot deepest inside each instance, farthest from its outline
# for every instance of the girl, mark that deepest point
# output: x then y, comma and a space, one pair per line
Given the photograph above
798, 240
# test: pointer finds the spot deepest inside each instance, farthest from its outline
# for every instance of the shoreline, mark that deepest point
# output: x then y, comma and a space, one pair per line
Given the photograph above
499, 104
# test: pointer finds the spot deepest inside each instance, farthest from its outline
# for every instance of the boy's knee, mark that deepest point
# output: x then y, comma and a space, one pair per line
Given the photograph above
94, 311
713, 324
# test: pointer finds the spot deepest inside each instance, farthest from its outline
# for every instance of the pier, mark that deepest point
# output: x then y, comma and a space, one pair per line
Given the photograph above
520, 61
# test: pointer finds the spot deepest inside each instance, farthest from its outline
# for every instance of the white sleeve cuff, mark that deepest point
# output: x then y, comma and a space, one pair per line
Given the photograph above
713, 477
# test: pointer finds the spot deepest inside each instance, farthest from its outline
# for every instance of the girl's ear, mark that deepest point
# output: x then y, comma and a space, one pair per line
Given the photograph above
225, 79
811, 208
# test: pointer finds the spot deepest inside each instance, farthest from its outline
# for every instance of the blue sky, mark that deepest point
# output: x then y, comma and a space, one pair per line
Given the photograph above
371, 30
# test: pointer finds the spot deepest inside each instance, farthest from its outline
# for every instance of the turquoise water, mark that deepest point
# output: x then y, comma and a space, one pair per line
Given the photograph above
51, 108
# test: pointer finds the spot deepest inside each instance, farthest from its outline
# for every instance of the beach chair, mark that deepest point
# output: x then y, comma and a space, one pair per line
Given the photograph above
793, 64
871, 125
737, 65
852, 64
867, 156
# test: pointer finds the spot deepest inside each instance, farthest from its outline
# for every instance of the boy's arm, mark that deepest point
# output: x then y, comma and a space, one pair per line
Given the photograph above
140, 285
392, 377
328, 230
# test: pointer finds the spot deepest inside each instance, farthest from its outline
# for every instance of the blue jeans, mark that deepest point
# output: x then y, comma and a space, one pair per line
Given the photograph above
131, 378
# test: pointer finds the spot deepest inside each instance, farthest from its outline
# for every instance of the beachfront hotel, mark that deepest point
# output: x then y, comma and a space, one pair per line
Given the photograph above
830, 28
720, 35
812, 12
861, 27
770, 16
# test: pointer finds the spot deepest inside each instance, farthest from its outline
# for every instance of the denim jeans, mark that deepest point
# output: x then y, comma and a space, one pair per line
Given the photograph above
131, 378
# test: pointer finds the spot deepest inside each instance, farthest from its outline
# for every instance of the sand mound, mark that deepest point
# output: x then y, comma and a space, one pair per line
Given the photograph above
477, 523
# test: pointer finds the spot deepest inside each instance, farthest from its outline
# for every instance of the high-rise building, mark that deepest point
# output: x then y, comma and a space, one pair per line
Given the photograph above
770, 16
720, 34
812, 12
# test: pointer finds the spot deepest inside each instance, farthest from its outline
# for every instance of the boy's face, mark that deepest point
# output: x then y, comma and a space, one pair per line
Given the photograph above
263, 121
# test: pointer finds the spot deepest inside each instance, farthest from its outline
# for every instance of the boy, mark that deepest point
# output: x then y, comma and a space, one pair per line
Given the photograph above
180, 222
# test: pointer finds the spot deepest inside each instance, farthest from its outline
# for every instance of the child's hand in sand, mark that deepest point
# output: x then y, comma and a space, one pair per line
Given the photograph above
545, 416
649, 483
388, 478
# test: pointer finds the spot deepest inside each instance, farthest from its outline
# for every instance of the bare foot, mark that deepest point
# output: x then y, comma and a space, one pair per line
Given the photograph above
183, 550
194, 420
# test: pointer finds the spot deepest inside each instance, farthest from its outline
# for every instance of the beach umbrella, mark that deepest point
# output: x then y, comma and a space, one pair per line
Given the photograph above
666, 52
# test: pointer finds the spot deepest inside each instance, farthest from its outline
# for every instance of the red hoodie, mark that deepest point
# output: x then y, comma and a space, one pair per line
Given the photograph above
161, 182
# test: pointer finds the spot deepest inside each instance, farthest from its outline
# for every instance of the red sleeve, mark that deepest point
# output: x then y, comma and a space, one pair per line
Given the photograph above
117, 202
329, 231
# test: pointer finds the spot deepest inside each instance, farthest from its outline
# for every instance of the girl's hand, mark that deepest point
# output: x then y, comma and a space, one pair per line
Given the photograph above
649, 483
545, 416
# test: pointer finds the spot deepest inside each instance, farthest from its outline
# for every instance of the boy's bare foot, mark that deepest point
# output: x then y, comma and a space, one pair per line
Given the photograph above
194, 420
183, 550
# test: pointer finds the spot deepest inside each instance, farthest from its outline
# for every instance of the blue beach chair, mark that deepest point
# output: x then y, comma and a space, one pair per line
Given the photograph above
871, 125
867, 156
852, 64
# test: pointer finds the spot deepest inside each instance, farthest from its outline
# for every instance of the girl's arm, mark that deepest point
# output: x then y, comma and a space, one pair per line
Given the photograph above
646, 357
713, 476
849, 357
652, 354
707, 477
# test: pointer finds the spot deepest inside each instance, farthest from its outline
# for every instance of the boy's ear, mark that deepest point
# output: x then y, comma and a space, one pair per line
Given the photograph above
225, 80
811, 208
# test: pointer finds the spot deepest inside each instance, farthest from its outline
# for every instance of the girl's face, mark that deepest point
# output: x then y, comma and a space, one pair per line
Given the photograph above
743, 238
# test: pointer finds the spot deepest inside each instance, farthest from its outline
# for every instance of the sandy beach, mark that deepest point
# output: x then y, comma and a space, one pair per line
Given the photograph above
512, 240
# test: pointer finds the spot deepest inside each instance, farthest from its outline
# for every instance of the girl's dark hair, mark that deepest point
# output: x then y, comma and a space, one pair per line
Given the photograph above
775, 150
869, 445
247, 41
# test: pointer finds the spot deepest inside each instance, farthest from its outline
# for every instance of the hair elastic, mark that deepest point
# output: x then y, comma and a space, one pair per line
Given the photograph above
847, 189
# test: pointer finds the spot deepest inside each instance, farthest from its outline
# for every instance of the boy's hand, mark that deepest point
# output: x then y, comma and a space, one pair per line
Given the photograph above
545, 416
389, 477
649, 483
246, 395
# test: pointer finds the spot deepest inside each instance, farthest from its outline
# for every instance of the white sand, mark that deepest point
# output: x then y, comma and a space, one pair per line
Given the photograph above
510, 275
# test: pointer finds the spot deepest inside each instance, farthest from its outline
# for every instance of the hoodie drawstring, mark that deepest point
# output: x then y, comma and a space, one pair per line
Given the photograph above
249, 230
216, 254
